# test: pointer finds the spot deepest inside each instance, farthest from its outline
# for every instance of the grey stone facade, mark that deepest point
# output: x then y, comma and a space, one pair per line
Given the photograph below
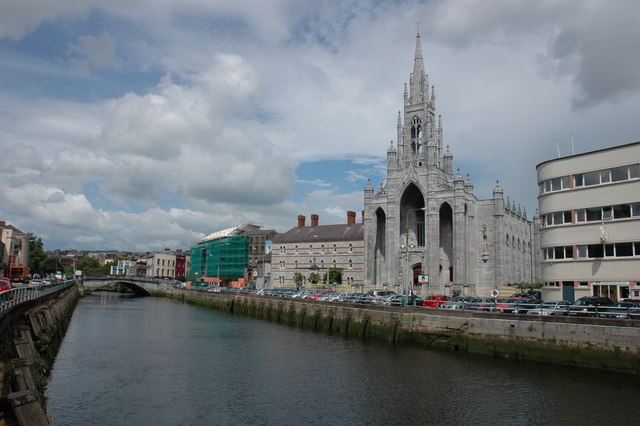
316, 249
427, 222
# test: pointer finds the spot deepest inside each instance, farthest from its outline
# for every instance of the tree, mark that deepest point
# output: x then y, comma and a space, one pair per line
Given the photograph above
89, 266
298, 278
37, 256
314, 277
334, 275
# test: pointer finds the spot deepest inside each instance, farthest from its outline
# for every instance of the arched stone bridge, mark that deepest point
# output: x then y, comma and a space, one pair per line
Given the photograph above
142, 286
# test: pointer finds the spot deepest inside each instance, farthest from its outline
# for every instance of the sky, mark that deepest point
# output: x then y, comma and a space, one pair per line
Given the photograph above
143, 124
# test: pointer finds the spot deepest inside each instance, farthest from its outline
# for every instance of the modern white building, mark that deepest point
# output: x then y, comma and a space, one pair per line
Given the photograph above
589, 206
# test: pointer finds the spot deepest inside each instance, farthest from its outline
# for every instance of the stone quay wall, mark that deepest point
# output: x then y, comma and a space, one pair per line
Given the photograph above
30, 335
605, 344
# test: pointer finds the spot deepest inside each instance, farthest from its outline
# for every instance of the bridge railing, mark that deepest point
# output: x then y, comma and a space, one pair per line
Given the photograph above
23, 293
133, 278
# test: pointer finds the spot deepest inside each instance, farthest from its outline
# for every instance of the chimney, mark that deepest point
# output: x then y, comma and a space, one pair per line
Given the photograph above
301, 220
362, 216
314, 220
351, 218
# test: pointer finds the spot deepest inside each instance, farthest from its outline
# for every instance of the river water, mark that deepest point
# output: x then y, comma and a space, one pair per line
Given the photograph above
151, 361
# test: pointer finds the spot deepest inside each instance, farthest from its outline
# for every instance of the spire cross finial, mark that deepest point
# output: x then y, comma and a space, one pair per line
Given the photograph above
418, 28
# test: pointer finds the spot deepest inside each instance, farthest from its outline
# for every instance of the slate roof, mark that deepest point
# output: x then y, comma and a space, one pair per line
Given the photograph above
308, 234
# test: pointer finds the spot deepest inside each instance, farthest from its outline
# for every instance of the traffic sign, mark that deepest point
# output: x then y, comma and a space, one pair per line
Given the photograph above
495, 292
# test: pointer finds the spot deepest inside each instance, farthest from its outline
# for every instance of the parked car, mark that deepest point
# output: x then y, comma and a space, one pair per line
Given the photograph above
411, 301
624, 310
551, 307
435, 300
457, 302
483, 304
320, 294
505, 303
358, 298
589, 306
521, 306
381, 297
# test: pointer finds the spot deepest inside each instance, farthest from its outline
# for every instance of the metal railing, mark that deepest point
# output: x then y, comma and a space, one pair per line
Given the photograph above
23, 293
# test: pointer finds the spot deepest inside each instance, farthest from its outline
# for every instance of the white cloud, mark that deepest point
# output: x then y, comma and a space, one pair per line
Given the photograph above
251, 90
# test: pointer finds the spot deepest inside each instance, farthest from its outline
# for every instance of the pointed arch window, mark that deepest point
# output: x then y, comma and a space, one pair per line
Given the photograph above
416, 135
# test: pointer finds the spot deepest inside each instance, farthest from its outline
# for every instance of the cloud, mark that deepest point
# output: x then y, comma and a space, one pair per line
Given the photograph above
95, 52
592, 44
195, 116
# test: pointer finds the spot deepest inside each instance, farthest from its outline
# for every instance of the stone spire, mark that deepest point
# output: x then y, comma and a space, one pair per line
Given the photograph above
417, 80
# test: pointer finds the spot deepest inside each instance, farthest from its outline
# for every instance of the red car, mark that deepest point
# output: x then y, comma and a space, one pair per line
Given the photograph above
320, 294
4, 286
435, 300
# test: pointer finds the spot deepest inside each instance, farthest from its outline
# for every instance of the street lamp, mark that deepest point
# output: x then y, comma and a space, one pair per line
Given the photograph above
406, 253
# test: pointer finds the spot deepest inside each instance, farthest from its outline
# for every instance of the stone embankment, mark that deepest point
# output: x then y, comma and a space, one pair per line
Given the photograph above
605, 344
30, 335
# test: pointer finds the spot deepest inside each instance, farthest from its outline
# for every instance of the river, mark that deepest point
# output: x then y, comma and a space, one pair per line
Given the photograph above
151, 361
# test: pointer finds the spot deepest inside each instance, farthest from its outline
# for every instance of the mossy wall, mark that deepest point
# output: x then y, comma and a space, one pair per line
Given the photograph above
613, 345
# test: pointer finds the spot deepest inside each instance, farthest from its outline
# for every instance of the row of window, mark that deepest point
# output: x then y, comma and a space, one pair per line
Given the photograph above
347, 280
296, 249
283, 264
592, 214
616, 174
592, 251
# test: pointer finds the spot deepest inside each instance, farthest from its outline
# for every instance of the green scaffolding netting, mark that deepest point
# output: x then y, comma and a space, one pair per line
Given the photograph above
225, 258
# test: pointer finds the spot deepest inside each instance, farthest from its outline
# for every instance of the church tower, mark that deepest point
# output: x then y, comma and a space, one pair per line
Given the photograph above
421, 226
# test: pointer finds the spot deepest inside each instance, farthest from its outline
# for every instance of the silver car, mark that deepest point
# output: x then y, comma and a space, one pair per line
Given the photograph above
555, 307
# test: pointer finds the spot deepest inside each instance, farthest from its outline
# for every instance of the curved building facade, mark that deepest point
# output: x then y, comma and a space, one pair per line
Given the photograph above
589, 206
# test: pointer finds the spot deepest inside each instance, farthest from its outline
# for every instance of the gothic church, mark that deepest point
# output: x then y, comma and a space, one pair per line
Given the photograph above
425, 229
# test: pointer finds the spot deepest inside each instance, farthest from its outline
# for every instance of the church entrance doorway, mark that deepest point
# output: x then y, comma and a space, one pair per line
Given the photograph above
416, 272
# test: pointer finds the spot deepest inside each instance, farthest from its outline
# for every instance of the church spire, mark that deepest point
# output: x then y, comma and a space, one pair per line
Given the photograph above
418, 62
419, 86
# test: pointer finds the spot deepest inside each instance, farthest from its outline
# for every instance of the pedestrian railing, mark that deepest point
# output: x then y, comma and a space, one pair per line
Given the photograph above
23, 293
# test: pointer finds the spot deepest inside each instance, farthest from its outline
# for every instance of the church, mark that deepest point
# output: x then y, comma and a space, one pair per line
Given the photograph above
425, 229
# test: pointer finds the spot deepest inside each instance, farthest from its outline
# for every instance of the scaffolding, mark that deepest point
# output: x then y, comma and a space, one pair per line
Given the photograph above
225, 258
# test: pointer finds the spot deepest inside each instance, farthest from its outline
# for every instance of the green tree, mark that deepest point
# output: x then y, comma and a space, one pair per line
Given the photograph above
314, 277
298, 278
334, 275
37, 255
89, 266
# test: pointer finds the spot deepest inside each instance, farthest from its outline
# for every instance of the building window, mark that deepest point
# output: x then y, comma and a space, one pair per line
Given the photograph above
350, 247
335, 248
350, 264
616, 174
322, 248
296, 249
